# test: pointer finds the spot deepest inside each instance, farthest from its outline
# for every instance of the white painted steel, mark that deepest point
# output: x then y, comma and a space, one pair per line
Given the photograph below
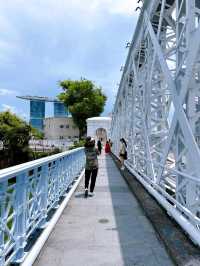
157, 109
32, 255
28, 192
191, 230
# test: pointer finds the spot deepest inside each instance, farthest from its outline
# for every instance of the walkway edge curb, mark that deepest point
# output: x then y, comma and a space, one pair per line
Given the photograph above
177, 216
178, 245
33, 254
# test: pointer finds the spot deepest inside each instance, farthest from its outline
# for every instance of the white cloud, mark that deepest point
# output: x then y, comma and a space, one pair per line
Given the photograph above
51, 8
9, 39
30, 28
14, 110
125, 7
5, 92
55, 14
6, 107
87, 13
113, 6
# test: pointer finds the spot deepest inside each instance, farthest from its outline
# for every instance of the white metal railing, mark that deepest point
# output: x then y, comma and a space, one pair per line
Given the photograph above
27, 193
48, 144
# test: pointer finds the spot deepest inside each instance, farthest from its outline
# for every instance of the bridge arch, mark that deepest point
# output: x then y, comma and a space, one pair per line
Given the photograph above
99, 127
101, 133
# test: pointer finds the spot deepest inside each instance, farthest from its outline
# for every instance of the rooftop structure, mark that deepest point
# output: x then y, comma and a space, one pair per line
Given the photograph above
38, 98
99, 119
37, 109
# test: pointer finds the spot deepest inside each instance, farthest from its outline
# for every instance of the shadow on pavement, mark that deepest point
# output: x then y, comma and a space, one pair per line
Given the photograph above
139, 243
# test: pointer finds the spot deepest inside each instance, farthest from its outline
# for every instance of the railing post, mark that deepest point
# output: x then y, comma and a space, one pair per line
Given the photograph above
2, 221
20, 209
57, 185
83, 160
71, 168
44, 195
67, 175
80, 162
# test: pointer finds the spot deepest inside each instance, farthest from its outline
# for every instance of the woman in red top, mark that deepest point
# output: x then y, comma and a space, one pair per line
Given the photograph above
107, 147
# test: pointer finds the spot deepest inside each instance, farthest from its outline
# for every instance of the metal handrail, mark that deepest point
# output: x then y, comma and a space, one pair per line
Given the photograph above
28, 192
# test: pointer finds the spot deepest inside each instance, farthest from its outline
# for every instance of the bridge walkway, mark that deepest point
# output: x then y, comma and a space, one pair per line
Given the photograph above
109, 229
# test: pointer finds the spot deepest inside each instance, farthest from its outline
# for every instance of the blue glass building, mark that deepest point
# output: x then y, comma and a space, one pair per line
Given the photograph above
37, 110
60, 110
37, 114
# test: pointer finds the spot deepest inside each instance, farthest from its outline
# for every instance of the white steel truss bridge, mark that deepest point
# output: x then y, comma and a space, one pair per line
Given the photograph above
157, 109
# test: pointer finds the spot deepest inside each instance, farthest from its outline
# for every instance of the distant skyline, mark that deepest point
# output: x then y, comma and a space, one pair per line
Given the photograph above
43, 42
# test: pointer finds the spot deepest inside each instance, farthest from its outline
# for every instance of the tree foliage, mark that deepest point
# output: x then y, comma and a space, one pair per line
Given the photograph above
83, 99
15, 134
36, 134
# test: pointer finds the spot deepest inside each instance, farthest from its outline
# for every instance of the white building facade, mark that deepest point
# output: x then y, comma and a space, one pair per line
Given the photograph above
99, 127
60, 129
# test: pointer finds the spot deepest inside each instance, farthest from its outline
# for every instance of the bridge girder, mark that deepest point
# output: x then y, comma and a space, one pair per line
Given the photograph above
157, 108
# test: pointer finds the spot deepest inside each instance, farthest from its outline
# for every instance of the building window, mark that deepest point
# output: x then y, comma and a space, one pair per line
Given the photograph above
69, 137
61, 137
67, 126
61, 126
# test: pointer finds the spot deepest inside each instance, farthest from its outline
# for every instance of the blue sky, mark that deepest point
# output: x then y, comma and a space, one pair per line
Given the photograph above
42, 42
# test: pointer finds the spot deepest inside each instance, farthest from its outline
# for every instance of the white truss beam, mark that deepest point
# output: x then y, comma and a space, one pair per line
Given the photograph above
157, 109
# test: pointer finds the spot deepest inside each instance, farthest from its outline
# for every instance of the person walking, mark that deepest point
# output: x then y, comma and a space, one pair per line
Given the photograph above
107, 147
123, 152
91, 167
110, 142
99, 145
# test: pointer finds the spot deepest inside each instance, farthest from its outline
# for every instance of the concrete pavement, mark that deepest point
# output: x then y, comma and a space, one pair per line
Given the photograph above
109, 229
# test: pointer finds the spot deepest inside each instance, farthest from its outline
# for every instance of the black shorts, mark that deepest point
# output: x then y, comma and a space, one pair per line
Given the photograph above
124, 156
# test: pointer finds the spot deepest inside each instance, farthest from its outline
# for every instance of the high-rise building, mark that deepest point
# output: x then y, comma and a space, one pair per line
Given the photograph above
37, 110
37, 114
60, 110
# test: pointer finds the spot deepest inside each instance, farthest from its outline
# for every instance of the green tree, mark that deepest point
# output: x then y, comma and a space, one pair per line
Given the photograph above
83, 99
15, 134
36, 133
